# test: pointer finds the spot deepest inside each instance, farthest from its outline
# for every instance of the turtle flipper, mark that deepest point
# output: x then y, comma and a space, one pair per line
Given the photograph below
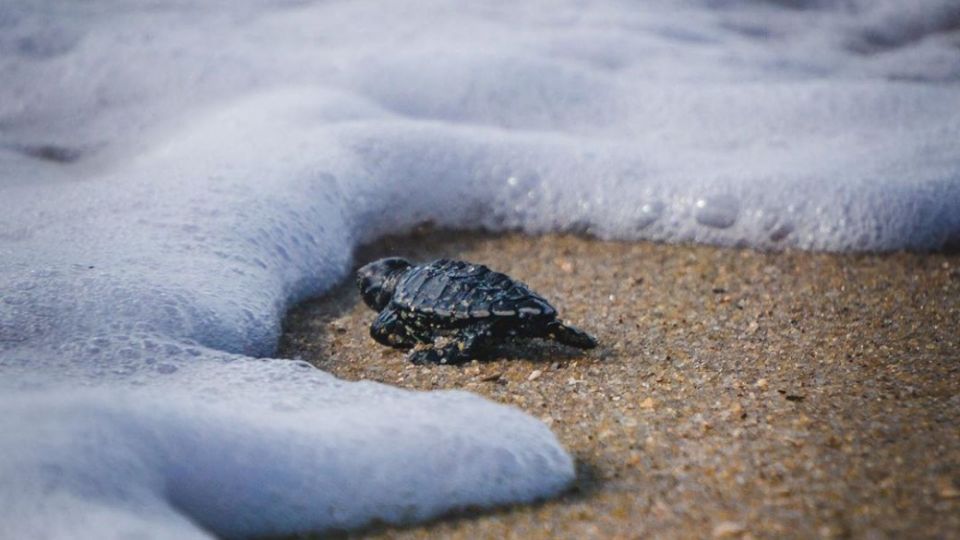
469, 344
388, 329
570, 335
450, 354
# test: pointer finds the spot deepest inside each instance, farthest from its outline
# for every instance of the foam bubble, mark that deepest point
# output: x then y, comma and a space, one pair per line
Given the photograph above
647, 213
717, 211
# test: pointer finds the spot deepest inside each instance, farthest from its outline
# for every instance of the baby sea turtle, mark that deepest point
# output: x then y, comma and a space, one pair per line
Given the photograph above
470, 304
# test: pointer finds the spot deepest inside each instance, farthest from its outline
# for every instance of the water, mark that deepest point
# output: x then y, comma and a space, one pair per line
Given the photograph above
172, 178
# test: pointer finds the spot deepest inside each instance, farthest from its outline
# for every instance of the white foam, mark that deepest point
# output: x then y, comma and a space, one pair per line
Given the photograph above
173, 178
332, 455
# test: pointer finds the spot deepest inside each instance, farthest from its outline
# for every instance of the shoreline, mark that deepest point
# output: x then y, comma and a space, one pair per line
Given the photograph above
735, 393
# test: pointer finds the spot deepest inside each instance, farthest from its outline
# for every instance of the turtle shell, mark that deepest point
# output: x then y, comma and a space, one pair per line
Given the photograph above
460, 290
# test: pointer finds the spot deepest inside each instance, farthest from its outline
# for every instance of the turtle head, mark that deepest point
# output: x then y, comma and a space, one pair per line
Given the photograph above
378, 280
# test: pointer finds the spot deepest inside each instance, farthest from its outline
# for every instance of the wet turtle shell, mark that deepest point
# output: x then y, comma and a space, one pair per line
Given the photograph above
446, 289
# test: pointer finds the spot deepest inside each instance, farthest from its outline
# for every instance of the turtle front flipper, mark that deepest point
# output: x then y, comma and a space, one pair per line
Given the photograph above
388, 329
570, 335
470, 343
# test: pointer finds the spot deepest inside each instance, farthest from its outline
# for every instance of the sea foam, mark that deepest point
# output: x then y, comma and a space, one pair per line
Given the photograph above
174, 177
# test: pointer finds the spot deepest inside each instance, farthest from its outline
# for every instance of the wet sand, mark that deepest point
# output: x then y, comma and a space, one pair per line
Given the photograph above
735, 394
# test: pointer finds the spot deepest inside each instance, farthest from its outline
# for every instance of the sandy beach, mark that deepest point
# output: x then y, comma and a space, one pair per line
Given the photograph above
734, 394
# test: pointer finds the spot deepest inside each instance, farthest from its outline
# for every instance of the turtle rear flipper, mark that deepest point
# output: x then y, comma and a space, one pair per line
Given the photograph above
570, 335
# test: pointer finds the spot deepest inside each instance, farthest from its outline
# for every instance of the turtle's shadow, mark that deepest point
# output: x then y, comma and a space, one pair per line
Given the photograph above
533, 350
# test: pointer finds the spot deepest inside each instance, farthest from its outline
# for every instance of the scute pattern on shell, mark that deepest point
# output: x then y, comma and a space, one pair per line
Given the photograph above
461, 290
